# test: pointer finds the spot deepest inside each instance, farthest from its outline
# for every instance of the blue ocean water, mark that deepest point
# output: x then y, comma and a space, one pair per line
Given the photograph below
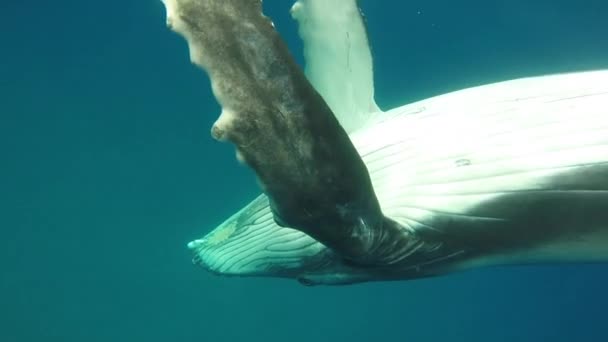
108, 170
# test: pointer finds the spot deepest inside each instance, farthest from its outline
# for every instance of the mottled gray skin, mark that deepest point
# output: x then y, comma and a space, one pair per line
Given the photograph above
283, 129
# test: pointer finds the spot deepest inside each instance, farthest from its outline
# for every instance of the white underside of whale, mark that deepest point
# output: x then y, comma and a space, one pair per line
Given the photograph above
439, 157
448, 154
453, 152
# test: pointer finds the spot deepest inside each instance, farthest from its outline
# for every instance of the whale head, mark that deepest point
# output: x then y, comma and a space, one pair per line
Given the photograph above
251, 244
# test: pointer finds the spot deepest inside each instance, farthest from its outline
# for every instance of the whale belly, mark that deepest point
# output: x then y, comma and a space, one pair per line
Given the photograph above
583, 248
589, 247
515, 172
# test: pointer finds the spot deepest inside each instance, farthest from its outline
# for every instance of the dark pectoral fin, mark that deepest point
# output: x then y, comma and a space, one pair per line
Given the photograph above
282, 128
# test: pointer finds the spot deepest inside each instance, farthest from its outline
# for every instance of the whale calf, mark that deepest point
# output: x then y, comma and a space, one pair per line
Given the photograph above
514, 172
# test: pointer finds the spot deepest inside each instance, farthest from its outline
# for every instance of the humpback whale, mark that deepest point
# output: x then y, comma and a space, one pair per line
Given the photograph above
514, 172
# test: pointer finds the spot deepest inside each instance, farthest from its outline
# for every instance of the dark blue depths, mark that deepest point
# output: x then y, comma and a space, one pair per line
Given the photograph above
108, 170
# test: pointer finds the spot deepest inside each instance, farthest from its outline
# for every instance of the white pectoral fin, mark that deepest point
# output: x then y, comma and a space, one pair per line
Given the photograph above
338, 57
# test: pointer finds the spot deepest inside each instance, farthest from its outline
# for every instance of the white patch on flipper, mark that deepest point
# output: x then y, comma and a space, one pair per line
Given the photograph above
169, 8
173, 21
338, 58
240, 158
